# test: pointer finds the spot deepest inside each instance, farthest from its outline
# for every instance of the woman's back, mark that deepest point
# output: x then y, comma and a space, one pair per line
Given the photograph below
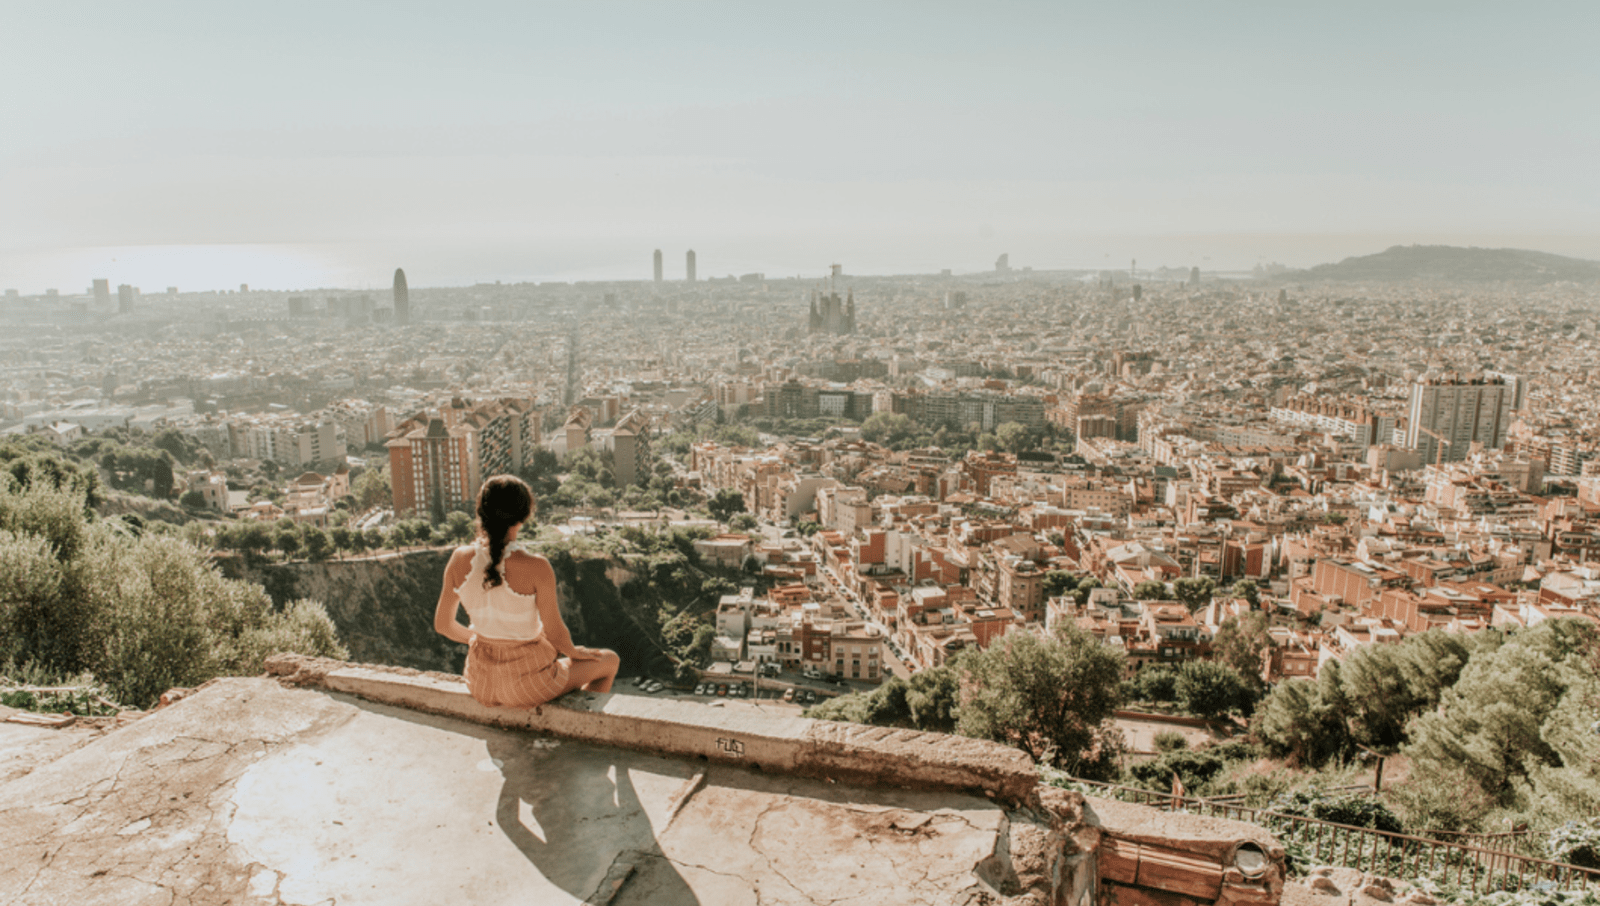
500, 611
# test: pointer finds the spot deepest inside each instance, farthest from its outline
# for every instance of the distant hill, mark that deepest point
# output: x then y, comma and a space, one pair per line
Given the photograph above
1452, 263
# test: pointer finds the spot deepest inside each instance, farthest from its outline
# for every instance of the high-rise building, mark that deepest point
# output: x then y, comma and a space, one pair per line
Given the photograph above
402, 298
1194, 276
1518, 385
102, 294
433, 469
658, 265
688, 265
629, 441
125, 296
1462, 411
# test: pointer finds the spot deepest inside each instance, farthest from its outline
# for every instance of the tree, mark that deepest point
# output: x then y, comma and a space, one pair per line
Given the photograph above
927, 702
934, 699
458, 528
287, 540
1302, 720
1156, 683
318, 544
1241, 643
1151, 590
541, 472
29, 465
1081, 593
1058, 582
1045, 695
1247, 589
742, 522
1013, 437
1490, 724
1210, 690
725, 503
1194, 593
371, 489
175, 443
194, 500
888, 428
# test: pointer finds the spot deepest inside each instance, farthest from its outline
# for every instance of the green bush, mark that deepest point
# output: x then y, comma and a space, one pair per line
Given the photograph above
1353, 809
140, 612
1170, 741
1577, 843
1195, 767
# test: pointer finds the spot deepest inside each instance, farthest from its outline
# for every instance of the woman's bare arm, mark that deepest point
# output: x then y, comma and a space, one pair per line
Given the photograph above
444, 615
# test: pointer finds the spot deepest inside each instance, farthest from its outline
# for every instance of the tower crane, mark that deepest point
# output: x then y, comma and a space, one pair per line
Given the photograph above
1439, 454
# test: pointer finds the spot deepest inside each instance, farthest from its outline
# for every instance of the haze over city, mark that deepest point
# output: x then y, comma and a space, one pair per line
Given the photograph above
309, 145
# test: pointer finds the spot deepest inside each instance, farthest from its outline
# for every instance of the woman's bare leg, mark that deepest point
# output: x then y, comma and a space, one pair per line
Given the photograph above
594, 675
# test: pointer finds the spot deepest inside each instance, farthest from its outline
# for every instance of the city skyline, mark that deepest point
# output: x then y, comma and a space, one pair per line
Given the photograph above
897, 138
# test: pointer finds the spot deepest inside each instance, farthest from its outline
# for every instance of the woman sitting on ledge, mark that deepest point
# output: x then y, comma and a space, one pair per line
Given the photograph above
516, 637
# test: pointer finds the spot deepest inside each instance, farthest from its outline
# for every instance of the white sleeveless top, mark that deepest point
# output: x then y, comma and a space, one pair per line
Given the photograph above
498, 612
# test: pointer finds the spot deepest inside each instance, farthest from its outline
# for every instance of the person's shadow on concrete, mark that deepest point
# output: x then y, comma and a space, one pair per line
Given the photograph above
572, 810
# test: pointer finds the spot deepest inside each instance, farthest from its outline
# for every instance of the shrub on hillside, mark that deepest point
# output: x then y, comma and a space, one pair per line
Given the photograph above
1353, 809
1195, 767
141, 612
1170, 741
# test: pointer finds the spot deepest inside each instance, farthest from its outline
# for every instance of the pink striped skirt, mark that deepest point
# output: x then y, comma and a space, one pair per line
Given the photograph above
514, 674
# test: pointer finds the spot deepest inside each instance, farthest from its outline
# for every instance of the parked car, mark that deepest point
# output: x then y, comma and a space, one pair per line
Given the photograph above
639, 680
700, 689
788, 695
810, 697
722, 688
654, 687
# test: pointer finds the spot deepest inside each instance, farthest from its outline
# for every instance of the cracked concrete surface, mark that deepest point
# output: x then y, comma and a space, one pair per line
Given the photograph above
251, 793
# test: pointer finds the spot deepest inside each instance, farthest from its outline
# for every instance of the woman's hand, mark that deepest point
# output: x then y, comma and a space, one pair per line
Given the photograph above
580, 653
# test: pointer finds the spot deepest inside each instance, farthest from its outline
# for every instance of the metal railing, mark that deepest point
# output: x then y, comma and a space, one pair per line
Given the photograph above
1309, 841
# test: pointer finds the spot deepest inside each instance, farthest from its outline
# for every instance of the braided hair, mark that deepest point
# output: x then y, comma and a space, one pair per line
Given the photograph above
504, 501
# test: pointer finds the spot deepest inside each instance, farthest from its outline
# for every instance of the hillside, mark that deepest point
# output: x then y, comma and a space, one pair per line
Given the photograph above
1453, 263
383, 608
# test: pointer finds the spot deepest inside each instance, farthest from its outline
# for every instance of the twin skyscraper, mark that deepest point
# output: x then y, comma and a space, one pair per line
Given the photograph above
688, 265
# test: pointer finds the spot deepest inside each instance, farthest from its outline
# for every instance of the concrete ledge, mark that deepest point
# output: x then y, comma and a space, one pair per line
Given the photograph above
798, 745
1192, 856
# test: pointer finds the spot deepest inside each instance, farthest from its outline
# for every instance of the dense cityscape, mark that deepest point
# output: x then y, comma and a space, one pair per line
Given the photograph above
1375, 460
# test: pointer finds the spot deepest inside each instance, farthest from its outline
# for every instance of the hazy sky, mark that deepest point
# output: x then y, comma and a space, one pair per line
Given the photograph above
294, 145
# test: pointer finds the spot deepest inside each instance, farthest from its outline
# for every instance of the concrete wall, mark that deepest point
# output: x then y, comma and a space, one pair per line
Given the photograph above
1064, 849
